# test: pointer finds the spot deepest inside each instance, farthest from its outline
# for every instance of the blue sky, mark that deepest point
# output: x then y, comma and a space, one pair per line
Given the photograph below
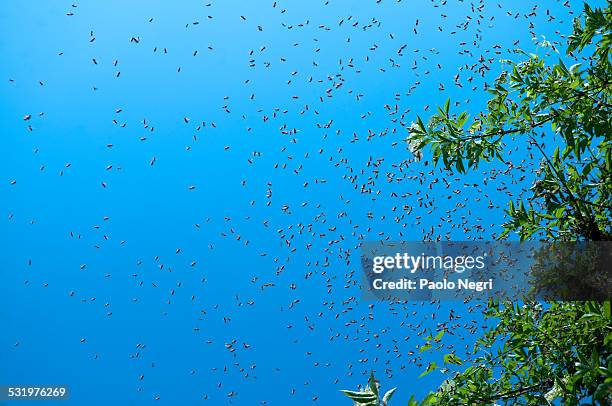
156, 192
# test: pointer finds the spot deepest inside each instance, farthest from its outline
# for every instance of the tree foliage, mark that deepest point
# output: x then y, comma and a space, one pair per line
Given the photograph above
540, 353
369, 395
536, 354
572, 197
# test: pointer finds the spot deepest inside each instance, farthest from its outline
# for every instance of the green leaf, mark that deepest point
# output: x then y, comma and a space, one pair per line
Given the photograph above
360, 397
388, 395
555, 393
459, 166
425, 347
452, 359
421, 125
373, 385
430, 368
